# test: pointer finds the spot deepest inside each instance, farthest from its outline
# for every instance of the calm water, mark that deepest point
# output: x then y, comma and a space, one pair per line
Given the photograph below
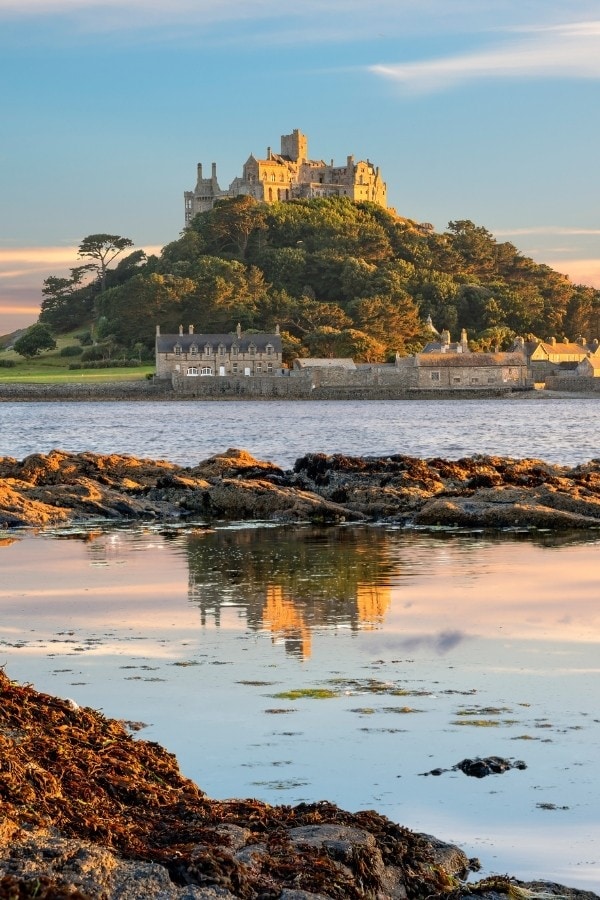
433, 647
564, 431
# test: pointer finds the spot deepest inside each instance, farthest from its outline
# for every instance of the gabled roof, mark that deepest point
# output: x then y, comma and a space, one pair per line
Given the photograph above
165, 343
314, 362
469, 360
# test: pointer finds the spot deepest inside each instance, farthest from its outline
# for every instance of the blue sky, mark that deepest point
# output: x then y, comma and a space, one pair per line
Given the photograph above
478, 110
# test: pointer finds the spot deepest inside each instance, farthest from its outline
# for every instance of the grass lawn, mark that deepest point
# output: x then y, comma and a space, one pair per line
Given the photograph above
52, 368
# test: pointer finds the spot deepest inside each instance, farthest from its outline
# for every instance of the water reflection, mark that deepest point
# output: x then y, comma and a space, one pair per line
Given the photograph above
291, 581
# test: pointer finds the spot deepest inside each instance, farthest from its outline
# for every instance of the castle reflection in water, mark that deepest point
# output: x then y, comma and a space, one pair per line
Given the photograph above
291, 581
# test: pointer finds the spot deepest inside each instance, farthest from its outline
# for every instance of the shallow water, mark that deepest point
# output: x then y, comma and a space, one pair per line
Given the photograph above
429, 647
185, 432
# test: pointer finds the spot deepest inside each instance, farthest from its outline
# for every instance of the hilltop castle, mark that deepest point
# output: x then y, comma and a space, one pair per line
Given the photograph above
290, 175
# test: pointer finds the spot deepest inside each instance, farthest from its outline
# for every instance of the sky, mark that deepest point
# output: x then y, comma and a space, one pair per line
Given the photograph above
473, 110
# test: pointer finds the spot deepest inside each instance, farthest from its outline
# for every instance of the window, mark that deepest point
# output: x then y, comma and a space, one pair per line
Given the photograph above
474, 380
234, 349
234, 368
269, 368
259, 368
492, 379
269, 349
192, 370
193, 350
206, 370
456, 379
177, 349
207, 350
435, 376
221, 350
252, 349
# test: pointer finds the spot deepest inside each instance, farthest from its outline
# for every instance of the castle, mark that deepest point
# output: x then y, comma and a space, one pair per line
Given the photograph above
290, 175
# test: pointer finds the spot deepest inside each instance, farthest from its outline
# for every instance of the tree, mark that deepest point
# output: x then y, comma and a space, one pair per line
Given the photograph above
35, 340
102, 248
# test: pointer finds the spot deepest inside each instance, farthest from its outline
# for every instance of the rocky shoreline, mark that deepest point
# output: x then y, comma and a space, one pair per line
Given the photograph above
90, 813
476, 492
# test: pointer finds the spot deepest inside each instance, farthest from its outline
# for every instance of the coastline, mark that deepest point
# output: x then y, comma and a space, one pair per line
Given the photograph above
90, 812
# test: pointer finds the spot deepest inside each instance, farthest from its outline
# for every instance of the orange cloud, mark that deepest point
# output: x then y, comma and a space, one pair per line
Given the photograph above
22, 273
581, 271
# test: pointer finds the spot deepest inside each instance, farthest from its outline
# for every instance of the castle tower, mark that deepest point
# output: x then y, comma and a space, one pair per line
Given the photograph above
294, 146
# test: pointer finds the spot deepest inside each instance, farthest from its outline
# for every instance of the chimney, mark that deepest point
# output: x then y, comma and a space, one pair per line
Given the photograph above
214, 171
553, 341
190, 329
158, 331
181, 329
238, 330
446, 337
277, 329
199, 172
463, 337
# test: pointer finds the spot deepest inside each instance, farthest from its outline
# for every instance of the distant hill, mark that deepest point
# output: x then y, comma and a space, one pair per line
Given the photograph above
339, 277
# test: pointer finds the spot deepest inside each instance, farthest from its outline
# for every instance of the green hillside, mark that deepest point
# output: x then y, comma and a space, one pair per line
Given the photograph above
339, 278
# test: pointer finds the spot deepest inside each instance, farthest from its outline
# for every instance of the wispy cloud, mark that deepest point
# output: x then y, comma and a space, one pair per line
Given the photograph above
546, 229
571, 50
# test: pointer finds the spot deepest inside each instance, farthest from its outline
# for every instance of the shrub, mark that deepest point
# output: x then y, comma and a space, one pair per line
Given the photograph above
71, 350
106, 364
7, 363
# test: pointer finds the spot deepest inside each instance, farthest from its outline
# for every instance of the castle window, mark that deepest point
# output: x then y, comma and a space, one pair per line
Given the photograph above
192, 371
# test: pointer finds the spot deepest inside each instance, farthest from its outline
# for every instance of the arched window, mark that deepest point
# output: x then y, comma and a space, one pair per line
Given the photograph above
192, 370
206, 370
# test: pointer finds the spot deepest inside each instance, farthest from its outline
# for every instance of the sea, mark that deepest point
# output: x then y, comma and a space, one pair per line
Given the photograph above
356, 664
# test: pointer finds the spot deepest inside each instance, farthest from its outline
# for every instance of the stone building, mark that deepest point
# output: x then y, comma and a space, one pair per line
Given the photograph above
289, 175
552, 357
444, 365
189, 356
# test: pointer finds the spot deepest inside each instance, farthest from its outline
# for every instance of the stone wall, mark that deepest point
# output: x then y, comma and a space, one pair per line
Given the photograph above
576, 384
106, 390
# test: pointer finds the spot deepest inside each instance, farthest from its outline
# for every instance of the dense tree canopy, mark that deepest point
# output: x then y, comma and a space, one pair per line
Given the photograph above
340, 279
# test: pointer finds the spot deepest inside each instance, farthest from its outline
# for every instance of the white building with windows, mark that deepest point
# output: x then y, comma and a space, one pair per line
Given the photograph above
193, 355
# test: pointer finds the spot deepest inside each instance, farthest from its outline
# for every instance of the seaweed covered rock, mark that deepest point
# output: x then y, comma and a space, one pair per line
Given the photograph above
480, 491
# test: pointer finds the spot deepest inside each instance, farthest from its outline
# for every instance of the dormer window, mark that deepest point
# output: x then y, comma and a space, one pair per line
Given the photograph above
177, 349
252, 349
221, 349
193, 350
207, 350
269, 349
234, 349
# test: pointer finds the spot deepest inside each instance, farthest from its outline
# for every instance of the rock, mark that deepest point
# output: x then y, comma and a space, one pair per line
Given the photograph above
481, 491
90, 813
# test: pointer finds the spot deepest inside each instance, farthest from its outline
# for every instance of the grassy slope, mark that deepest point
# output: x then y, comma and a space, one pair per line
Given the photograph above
50, 367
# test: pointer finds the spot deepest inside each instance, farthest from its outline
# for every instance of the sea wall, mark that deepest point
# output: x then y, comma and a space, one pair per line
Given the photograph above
577, 385
106, 390
236, 388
